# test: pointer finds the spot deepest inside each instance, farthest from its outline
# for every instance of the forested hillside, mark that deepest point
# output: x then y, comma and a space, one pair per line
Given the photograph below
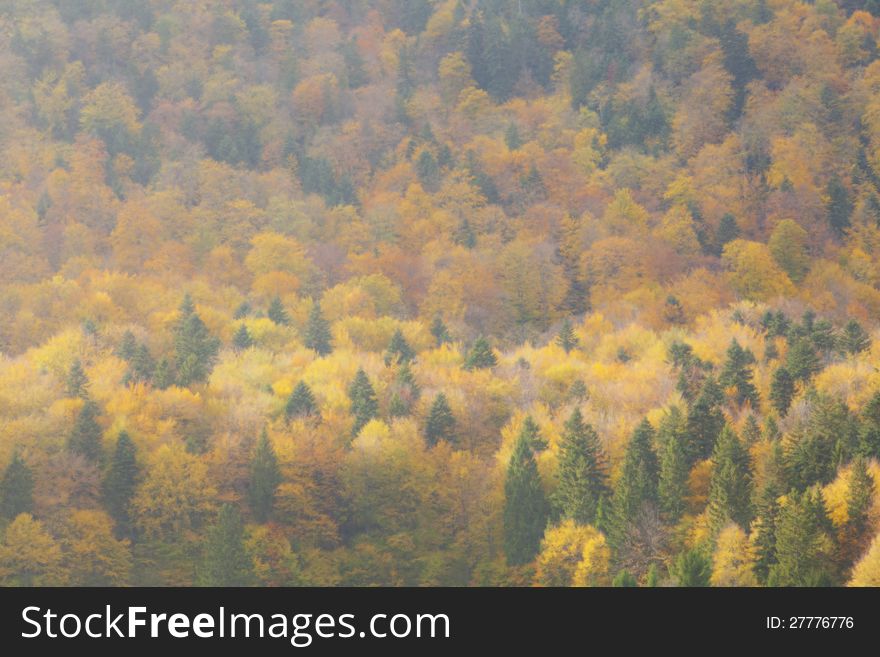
440, 292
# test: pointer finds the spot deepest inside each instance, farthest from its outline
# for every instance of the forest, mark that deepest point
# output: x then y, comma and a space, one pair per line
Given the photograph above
440, 292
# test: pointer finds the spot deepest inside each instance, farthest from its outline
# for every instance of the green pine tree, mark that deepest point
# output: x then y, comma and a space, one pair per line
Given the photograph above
242, 339
624, 580
781, 390
674, 466
440, 424
730, 489
265, 478
364, 406
637, 486
77, 381
802, 362
439, 331
764, 528
301, 402
398, 350
85, 438
16, 488
120, 482
854, 339
127, 346
582, 473
317, 333
143, 367
164, 374
195, 349
705, 420
277, 313
737, 373
566, 337
480, 356
855, 535
839, 206
691, 568
525, 507
802, 541
225, 561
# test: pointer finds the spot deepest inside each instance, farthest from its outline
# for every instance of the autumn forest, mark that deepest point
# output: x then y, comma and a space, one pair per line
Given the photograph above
440, 292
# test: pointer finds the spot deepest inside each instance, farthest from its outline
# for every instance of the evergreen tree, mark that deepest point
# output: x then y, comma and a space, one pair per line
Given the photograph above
164, 376
767, 514
855, 535
728, 230
398, 350
242, 311
364, 406
624, 580
691, 568
16, 488
121, 480
705, 420
637, 485
531, 429
801, 360
737, 373
77, 381
265, 478
869, 432
142, 365
839, 206
242, 339
195, 349
439, 331
674, 466
801, 542
277, 313
854, 339
583, 478
427, 170
511, 136
781, 390
480, 356
225, 561
652, 579
566, 337
301, 402
317, 335
85, 438
730, 489
525, 507
127, 346
440, 424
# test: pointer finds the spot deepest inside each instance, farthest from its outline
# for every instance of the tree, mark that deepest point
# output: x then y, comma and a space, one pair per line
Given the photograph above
867, 570
127, 346
85, 437
440, 424
566, 337
92, 555
225, 561
142, 367
781, 390
730, 489
728, 230
573, 555
29, 556
582, 474
525, 506
733, 563
480, 356
637, 485
838, 206
854, 339
398, 350
364, 405
788, 246
277, 313
705, 420
439, 331
766, 518
737, 373
674, 466
77, 381
802, 542
691, 568
16, 488
624, 580
242, 339
301, 402
195, 349
121, 481
265, 478
317, 335
855, 535
801, 360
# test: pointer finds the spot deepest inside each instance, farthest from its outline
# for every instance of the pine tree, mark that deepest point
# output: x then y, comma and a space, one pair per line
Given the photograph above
142, 365
242, 339
730, 489
728, 230
566, 337
364, 406
801, 360
480, 356
637, 485
127, 346
301, 402
195, 349
781, 390
242, 311
674, 466
164, 376
265, 478
839, 206
85, 438
225, 561
766, 517
705, 420
624, 580
583, 478
801, 542
531, 430
121, 480
691, 568
854, 339
855, 535
317, 334
525, 507
16, 488
77, 381
439, 331
277, 313
398, 350
440, 424
737, 373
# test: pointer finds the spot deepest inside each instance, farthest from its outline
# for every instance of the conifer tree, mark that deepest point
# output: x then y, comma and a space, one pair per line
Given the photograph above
364, 406
525, 507
242, 339
164, 376
440, 424
531, 429
121, 480
781, 390
855, 535
127, 346
195, 349
674, 466
16, 488
624, 580
142, 365
801, 360
566, 337
839, 206
801, 542
85, 437
265, 478
767, 514
705, 420
737, 373
637, 485
583, 477
225, 561
730, 489
317, 335
691, 568
277, 313
854, 339
439, 331
398, 350
77, 381
480, 356
301, 402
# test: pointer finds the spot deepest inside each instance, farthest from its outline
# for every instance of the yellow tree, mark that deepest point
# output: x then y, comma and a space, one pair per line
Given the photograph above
573, 555
92, 555
734, 559
29, 556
